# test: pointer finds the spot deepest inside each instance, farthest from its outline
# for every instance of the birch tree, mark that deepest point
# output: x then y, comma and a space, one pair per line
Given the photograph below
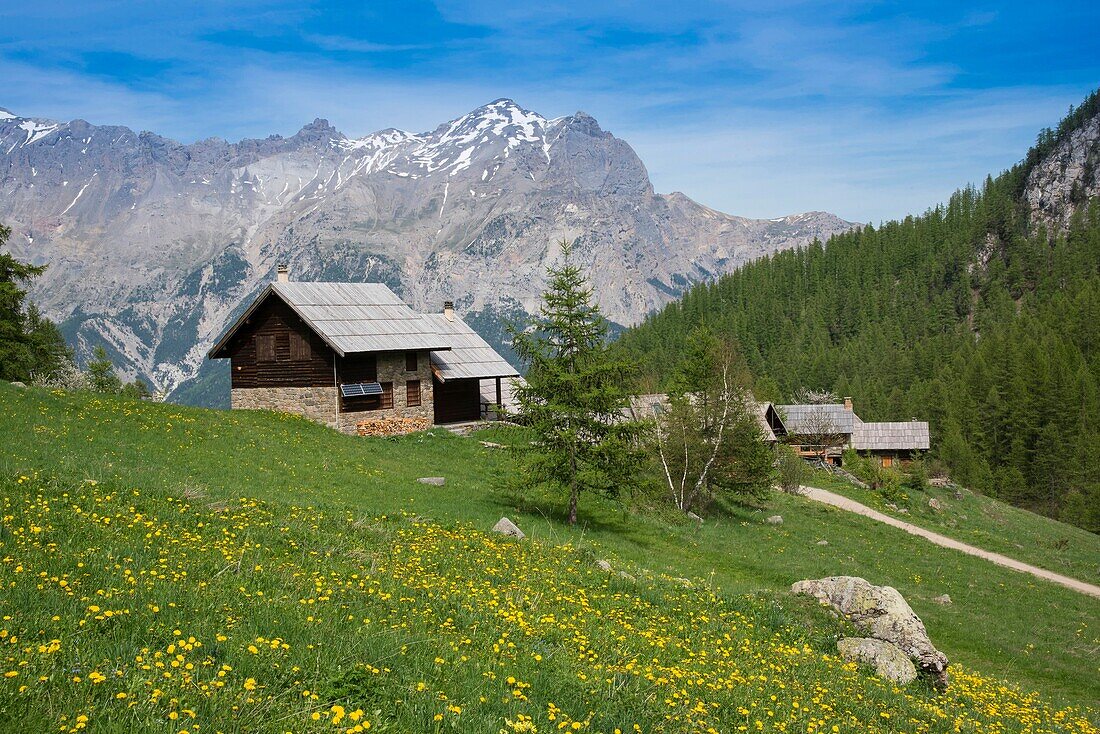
707, 439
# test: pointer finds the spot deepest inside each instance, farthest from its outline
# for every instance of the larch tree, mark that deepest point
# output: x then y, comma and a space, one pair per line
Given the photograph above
573, 396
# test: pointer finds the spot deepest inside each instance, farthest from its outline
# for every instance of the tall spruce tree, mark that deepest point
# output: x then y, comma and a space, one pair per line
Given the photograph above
574, 392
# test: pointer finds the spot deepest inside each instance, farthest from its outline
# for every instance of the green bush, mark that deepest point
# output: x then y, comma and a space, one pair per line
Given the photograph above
792, 469
916, 477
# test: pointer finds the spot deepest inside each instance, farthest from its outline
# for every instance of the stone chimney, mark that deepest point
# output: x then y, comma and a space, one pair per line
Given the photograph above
283, 274
847, 403
449, 310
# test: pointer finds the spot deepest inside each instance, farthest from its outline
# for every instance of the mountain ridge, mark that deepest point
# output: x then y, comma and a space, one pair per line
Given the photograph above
153, 245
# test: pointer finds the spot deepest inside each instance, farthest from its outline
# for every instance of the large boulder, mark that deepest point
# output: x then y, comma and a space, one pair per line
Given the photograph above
882, 613
887, 658
505, 526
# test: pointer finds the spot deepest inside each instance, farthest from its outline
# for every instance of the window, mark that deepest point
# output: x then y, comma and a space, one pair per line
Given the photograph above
410, 361
299, 348
265, 347
412, 393
387, 395
887, 461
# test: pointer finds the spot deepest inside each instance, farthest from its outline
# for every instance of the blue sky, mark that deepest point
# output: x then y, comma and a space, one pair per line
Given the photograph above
869, 110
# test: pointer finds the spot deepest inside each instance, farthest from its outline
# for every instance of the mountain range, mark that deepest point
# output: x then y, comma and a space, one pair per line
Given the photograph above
153, 245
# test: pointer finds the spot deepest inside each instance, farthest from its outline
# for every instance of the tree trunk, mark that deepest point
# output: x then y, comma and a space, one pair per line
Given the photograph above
573, 503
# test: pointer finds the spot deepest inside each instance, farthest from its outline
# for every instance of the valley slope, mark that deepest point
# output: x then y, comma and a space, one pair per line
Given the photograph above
979, 315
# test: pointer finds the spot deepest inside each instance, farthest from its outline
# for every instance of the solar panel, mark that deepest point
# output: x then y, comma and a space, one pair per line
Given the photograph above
360, 389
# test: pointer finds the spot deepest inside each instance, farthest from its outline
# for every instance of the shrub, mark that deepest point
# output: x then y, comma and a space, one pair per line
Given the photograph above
792, 469
917, 476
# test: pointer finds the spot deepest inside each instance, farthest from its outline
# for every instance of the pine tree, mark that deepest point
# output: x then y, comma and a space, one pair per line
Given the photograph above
28, 342
574, 392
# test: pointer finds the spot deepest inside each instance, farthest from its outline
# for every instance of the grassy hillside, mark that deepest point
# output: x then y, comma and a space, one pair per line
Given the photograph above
986, 523
316, 577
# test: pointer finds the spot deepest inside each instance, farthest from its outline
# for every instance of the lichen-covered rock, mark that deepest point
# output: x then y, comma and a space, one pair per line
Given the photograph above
882, 613
887, 658
603, 565
505, 526
775, 520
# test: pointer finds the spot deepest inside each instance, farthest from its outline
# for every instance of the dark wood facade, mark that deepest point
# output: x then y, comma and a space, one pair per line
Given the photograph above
457, 400
275, 348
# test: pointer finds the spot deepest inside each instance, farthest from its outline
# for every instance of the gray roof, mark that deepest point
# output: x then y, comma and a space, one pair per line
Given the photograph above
352, 317
797, 418
908, 435
470, 356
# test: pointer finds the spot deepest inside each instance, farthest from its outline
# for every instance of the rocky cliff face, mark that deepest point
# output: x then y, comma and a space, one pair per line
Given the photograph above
1066, 178
153, 245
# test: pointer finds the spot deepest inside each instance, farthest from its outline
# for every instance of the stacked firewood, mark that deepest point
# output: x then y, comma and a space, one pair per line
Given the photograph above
391, 426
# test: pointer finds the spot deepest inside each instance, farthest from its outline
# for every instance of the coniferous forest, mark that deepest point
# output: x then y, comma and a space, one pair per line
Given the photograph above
971, 316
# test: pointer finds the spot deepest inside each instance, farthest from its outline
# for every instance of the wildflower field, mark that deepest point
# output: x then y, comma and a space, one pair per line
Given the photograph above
173, 569
126, 609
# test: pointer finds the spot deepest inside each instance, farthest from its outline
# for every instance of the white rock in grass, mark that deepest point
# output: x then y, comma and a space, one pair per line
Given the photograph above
887, 658
434, 481
775, 520
603, 565
882, 613
505, 526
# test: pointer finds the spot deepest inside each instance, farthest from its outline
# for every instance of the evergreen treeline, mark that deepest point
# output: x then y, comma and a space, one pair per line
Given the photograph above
968, 316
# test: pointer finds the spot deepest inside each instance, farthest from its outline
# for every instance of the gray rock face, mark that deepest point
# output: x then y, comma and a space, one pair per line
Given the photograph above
434, 481
505, 526
888, 659
1067, 178
881, 613
153, 246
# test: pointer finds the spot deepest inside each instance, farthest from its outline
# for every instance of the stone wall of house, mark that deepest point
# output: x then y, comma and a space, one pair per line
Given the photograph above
320, 403
316, 403
391, 368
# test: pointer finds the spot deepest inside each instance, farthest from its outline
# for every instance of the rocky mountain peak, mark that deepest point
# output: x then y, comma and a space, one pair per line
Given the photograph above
179, 236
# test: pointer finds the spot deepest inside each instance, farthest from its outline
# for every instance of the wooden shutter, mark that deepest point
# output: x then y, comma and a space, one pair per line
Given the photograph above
299, 348
410, 361
265, 347
387, 395
412, 393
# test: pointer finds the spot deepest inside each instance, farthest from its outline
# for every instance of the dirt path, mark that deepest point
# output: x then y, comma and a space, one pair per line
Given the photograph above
836, 500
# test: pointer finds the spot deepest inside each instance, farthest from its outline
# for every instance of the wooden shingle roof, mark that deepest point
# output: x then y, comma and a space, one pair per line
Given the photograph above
350, 317
898, 436
469, 356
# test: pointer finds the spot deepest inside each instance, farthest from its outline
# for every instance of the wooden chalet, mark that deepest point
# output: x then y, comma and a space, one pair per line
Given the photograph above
339, 353
826, 430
